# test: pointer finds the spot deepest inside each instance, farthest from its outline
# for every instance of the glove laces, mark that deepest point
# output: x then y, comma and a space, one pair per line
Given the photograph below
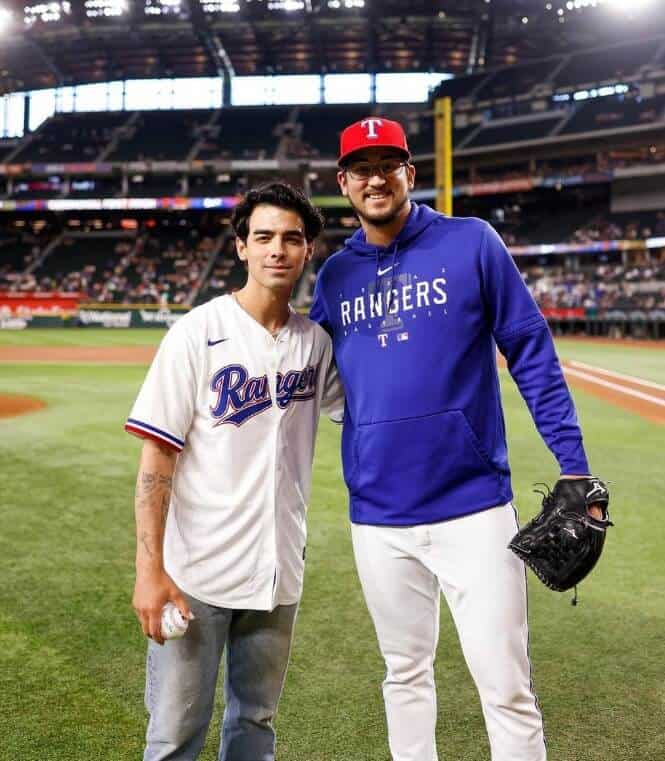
548, 501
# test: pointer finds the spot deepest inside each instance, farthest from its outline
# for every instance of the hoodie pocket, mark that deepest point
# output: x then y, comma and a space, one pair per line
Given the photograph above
417, 461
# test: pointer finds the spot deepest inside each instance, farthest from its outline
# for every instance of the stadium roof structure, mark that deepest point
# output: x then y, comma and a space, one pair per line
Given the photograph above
52, 43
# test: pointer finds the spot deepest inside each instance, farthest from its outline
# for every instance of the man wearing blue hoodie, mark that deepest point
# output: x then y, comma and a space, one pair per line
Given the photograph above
417, 304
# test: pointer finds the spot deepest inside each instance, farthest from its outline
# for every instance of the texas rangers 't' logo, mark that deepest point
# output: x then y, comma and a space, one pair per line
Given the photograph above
245, 397
370, 125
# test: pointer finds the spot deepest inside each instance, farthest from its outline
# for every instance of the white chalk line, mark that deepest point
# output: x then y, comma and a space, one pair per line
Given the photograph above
615, 386
614, 374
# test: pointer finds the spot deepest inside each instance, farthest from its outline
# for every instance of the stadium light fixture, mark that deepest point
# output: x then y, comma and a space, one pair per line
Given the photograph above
286, 5
105, 8
220, 6
627, 6
46, 12
346, 4
5, 19
162, 7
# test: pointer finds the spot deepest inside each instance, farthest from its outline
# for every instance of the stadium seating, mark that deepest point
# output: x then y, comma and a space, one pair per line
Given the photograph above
144, 185
516, 80
460, 87
213, 185
243, 133
161, 136
228, 274
71, 138
164, 267
160, 265
460, 134
321, 125
610, 287
95, 187
79, 262
166, 259
41, 187
254, 132
616, 111
598, 66
514, 131
323, 131
6, 149
585, 68
16, 254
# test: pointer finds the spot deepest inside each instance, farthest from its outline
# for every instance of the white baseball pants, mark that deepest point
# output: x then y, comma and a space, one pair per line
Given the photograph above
403, 570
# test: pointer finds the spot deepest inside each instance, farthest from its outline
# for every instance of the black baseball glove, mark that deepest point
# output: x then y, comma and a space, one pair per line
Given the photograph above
564, 541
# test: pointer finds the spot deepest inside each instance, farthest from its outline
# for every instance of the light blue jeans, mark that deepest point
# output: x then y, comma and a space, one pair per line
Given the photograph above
181, 677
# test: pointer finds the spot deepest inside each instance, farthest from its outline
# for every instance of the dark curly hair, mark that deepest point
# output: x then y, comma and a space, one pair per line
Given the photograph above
284, 196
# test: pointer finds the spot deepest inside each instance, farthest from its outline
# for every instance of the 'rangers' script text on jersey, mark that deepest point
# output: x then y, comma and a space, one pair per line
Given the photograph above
250, 396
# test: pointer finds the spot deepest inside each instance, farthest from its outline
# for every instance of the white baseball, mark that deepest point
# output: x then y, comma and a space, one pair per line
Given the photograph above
174, 624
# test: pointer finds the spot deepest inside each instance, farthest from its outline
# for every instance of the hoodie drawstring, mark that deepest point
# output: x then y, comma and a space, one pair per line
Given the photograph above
377, 281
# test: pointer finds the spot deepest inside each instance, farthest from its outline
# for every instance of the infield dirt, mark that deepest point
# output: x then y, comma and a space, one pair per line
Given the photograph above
11, 406
59, 354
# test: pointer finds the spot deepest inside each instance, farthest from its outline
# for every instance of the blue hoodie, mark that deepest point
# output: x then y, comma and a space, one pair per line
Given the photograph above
415, 326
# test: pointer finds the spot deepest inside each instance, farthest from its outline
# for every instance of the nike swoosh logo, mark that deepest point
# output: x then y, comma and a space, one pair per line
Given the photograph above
214, 343
383, 272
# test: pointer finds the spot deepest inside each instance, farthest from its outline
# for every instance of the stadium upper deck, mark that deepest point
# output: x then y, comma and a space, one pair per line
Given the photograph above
545, 102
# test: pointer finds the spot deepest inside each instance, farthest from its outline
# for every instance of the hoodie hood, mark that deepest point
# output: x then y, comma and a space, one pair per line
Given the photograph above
419, 219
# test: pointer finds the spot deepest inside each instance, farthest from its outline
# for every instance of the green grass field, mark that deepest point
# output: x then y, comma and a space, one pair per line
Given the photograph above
72, 655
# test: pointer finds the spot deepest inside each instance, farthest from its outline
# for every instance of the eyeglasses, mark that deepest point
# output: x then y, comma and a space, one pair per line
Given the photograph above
363, 170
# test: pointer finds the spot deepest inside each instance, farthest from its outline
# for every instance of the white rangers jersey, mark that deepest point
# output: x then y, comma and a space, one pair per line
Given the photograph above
242, 409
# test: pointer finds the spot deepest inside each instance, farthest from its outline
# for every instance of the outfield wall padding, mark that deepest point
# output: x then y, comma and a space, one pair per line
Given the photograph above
127, 316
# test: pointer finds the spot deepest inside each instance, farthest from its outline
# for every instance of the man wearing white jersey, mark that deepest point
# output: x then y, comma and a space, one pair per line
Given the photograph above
229, 413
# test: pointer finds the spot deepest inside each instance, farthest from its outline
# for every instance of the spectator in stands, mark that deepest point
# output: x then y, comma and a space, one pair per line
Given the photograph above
659, 227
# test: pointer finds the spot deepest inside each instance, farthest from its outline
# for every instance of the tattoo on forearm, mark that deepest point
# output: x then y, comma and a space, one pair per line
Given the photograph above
148, 484
145, 536
153, 496
166, 499
147, 481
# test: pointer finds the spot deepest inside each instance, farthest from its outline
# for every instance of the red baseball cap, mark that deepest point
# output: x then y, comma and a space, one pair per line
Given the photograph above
372, 132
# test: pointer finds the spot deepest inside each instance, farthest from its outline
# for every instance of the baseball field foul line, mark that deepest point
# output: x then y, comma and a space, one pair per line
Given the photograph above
615, 386
620, 376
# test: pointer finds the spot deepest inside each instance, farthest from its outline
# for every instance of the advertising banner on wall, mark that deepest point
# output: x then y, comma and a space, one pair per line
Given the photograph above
564, 313
28, 305
39, 303
28, 309
128, 316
